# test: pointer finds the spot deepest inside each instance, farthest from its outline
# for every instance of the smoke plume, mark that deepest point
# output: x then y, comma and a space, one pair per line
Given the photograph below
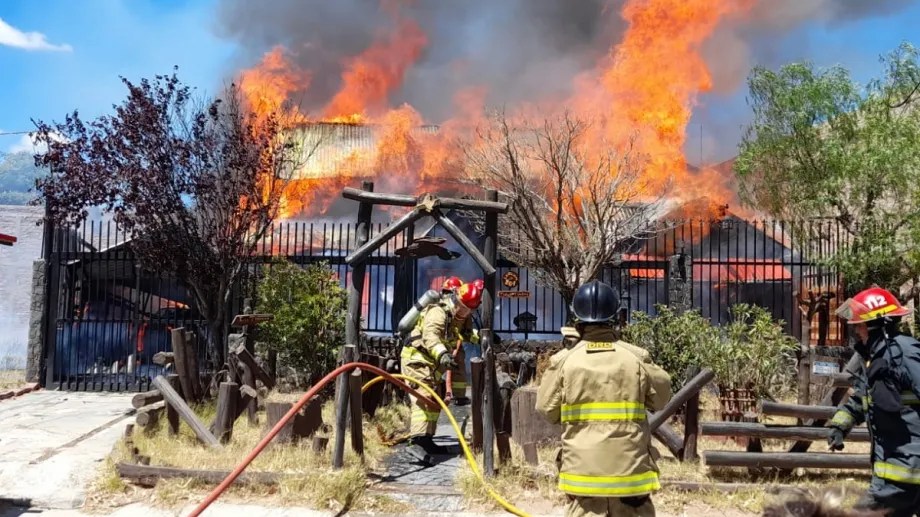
503, 53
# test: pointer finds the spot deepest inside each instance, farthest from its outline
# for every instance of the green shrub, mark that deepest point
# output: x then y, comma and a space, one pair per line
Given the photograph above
751, 351
673, 340
309, 308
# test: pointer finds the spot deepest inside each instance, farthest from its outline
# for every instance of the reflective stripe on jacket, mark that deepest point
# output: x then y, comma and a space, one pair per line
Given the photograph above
599, 391
895, 435
435, 333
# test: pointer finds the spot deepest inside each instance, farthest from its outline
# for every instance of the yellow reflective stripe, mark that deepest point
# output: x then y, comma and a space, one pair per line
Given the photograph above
437, 350
427, 416
603, 411
909, 398
843, 418
621, 486
896, 473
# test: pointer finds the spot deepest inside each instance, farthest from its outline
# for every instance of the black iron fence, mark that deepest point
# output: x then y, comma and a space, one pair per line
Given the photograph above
110, 316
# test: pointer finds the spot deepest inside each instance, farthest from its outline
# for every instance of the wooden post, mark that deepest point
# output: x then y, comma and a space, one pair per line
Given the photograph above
490, 387
476, 372
227, 398
185, 364
185, 412
249, 379
191, 365
530, 454
172, 416
245, 357
357, 427
349, 354
691, 427
356, 285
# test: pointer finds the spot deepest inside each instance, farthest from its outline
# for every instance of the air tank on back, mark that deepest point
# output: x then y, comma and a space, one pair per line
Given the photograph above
407, 323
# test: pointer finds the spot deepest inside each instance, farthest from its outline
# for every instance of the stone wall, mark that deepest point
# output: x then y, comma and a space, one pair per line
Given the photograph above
33, 358
16, 266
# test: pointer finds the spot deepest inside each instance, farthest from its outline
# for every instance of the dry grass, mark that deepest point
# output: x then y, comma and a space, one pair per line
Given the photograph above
533, 488
10, 379
309, 479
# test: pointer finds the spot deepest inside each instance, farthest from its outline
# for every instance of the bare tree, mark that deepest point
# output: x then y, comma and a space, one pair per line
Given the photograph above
196, 183
574, 205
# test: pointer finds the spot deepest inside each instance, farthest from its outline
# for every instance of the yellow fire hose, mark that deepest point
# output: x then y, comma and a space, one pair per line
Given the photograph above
466, 450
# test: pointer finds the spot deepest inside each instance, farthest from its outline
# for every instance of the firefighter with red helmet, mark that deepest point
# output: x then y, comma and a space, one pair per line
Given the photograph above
429, 353
456, 379
887, 399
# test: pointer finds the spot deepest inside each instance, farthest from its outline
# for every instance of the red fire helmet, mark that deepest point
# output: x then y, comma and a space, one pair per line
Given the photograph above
451, 284
870, 304
470, 295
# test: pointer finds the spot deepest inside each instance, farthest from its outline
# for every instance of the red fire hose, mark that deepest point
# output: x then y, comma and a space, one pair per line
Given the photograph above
290, 414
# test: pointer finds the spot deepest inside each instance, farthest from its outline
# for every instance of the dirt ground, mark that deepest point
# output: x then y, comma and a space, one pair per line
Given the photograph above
10, 379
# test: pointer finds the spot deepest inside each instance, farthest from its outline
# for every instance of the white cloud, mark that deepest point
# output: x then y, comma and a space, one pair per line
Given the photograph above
13, 37
27, 144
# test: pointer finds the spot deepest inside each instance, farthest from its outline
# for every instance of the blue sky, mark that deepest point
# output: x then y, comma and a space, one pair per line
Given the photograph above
83, 46
107, 38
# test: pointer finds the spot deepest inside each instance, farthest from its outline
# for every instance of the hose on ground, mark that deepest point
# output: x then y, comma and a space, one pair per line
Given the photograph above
466, 449
381, 375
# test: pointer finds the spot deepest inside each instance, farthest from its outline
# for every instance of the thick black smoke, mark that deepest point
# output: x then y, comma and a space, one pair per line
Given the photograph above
528, 49
516, 49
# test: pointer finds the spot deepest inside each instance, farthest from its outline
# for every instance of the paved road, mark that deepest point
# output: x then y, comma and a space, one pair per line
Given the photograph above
52, 443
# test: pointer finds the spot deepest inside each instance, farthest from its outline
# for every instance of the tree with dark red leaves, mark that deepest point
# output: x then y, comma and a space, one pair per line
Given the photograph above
196, 183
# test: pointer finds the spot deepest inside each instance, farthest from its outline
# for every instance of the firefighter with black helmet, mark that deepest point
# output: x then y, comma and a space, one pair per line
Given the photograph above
599, 390
428, 355
886, 398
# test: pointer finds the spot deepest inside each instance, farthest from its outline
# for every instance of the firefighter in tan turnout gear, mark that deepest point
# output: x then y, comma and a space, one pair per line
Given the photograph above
428, 355
599, 390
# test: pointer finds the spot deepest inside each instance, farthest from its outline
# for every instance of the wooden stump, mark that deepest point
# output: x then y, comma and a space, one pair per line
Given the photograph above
530, 454
320, 443
148, 416
227, 399
304, 424
529, 426
186, 364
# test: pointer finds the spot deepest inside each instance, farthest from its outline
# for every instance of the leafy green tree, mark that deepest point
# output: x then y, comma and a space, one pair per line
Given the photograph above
309, 308
822, 146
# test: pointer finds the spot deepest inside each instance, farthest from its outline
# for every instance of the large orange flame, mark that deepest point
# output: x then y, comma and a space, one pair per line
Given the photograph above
643, 91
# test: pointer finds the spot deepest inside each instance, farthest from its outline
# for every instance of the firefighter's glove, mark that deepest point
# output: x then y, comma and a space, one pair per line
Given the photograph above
884, 387
835, 439
446, 361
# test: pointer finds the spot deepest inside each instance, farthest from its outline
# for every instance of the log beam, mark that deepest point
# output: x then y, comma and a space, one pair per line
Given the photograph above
391, 231
690, 389
797, 410
185, 412
465, 243
787, 460
449, 203
145, 399
247, 358
148, 475
148, 416
779, 432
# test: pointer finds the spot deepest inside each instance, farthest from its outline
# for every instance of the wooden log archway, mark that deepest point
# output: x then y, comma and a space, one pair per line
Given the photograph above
426, 205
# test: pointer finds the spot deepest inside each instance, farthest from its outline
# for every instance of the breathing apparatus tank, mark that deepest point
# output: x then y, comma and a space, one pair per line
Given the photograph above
407, 323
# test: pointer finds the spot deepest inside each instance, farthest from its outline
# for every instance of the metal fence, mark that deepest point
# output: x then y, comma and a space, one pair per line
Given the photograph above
111, 316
